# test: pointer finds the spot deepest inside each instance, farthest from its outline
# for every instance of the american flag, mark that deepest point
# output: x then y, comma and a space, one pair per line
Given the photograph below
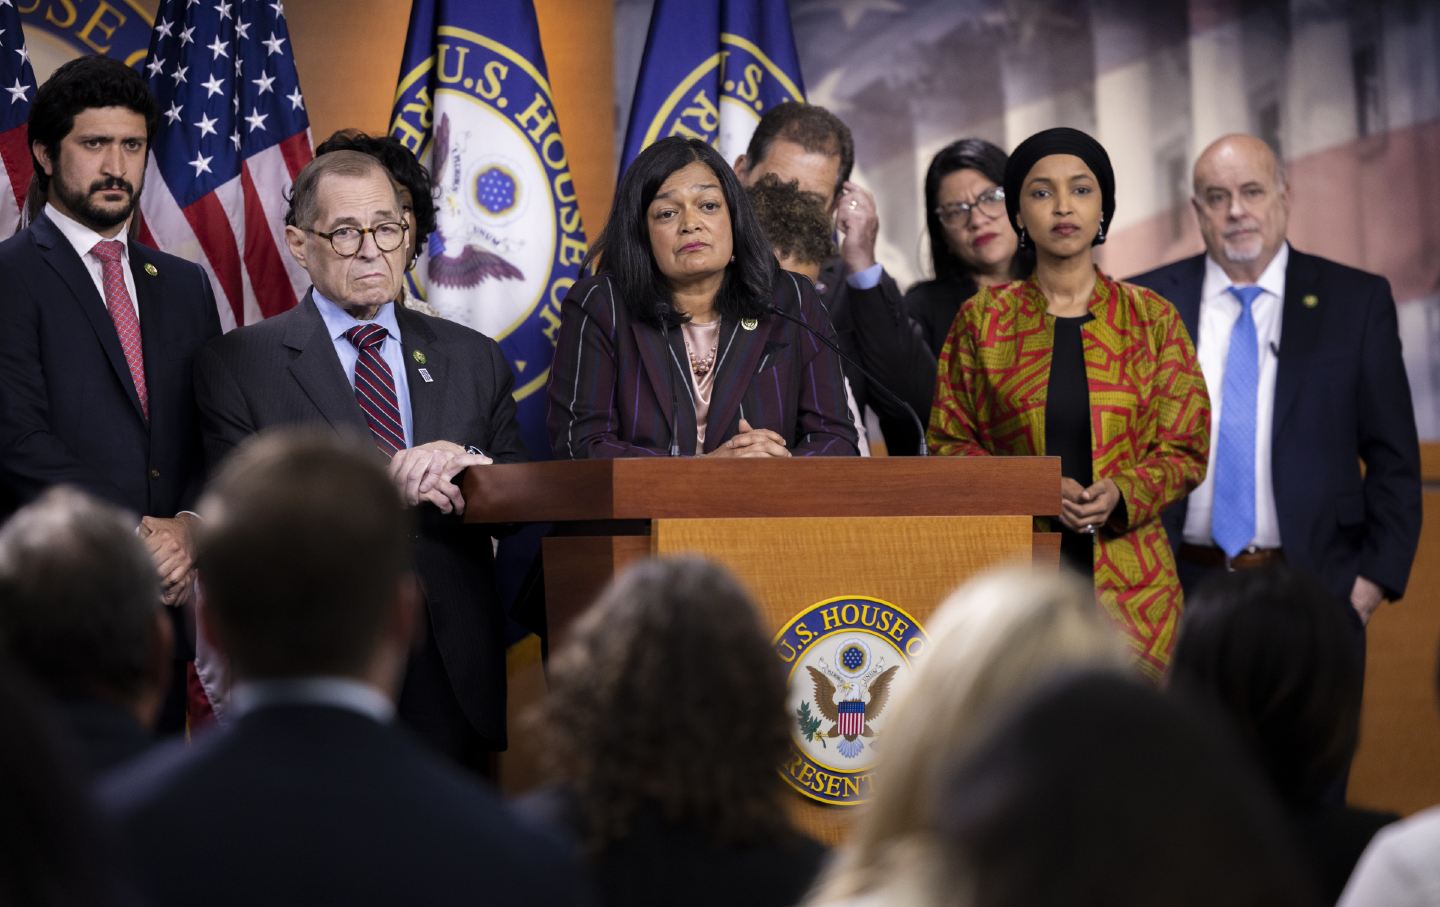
233, 134
852, 717
18, 81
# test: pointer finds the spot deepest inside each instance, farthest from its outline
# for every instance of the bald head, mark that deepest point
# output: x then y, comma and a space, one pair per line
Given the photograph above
1242, 203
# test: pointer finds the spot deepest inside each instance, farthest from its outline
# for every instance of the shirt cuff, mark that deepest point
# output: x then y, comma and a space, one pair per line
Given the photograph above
867, 279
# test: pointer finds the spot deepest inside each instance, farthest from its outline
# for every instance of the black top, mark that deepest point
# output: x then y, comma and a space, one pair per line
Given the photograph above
1067, 429
663, 862
933, 305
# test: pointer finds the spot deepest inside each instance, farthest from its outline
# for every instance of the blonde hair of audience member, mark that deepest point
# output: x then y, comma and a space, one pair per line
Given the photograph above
993, 640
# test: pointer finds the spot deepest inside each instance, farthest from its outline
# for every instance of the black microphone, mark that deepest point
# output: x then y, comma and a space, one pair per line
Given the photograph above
663, 312
885, 392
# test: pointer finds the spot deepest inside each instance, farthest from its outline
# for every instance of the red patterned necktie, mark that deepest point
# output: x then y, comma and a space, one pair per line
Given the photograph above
375, 388
122, 312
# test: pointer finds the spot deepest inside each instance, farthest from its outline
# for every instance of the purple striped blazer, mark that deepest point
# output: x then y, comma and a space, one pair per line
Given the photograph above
615, 383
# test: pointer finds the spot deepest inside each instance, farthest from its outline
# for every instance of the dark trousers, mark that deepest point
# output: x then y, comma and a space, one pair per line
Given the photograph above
428, 706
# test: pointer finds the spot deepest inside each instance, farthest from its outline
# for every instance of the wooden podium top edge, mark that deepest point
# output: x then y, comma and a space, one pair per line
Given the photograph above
689, 487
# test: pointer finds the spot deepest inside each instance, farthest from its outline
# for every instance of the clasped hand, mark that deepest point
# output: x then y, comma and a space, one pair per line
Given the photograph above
1087, 509
172, 548
424, 473
752, 442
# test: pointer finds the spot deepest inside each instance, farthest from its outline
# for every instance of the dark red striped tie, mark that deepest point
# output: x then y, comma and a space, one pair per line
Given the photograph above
375, 388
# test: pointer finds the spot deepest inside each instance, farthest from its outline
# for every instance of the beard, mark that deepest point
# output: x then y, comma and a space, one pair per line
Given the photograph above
84, 208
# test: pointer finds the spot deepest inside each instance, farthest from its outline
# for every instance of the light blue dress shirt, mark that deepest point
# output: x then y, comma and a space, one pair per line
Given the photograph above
338, 321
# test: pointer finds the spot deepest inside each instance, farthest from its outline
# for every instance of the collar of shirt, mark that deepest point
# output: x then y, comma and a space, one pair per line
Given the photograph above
338, 321
1272, 279
82, 239
338, 692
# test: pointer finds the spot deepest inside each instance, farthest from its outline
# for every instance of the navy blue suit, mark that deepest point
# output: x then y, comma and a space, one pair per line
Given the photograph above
1341, 398
314, 804
69, 413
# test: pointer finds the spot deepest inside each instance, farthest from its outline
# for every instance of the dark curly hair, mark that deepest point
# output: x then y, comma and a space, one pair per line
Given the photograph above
404, 168
794, 221
623, 249
669, 696
79, 85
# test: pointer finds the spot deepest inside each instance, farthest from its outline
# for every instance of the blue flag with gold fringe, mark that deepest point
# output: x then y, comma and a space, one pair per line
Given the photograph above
473, 102
710, 71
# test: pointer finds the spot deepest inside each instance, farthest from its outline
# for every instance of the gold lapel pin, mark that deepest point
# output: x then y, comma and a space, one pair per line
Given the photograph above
1310, 301
418, 356
749, 324
151, 269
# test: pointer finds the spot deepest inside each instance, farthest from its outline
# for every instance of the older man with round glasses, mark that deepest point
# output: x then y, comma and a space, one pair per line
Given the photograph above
433, 397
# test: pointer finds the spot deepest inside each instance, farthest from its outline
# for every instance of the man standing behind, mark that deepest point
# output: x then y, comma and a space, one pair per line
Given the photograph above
433, 396
810, 146
98, 333
310, 796
1302, 358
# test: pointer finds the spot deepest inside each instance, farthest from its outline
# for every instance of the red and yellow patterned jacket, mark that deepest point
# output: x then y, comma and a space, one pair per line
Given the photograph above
1149, 427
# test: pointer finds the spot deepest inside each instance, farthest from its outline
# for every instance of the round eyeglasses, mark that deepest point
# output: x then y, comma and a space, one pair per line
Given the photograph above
346, 241
991, 203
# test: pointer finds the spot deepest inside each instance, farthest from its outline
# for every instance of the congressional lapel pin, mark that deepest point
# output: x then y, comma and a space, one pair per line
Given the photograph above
425, 375
1310, 301
419, 357
749, 324
151, 269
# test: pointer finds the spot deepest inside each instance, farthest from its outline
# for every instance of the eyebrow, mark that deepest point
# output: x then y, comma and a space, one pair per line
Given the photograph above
348, 219
698, 187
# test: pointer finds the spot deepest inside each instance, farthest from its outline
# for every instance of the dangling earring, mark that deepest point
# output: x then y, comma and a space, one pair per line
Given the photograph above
1024, 240
732, 259
1100, 237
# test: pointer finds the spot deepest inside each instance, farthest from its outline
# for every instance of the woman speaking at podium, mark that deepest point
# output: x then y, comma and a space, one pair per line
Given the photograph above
673, 346
1071, 363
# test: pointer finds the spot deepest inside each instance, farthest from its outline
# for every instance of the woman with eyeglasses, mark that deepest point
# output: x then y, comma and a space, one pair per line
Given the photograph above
971, 242
1102, 374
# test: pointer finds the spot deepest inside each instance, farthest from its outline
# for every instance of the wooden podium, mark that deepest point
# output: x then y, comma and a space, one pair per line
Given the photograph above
797, 532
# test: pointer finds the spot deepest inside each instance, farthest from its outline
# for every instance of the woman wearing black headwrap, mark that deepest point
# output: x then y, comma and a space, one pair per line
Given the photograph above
1071, 363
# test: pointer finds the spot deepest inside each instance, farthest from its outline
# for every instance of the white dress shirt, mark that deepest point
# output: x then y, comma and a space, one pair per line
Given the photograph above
1219, 310
339, 692
82, 239
1401, 867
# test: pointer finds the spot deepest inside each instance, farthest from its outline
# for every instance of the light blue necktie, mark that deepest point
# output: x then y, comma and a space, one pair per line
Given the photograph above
1232, 521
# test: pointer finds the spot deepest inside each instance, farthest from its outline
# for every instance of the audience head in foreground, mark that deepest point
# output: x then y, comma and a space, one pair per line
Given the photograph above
993, 640
305, 568
1098, 790
667, 724
80, 613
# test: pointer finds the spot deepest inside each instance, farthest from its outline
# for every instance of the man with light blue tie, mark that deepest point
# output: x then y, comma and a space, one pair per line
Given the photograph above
433, 398
1302, 357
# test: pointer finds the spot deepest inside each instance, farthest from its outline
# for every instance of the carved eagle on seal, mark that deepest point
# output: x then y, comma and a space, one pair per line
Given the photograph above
471, 266
828, 698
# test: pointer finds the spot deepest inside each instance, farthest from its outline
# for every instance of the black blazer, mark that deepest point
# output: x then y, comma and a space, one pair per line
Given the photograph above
284, 371
68, 408
310, 804
1341, 397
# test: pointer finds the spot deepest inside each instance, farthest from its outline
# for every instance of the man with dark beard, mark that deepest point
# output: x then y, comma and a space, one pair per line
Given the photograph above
97, 332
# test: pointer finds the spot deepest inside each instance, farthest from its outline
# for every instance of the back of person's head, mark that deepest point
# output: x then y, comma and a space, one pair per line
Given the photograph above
810, 126
302, 554
80, 604
993, 640
51, 850
668, 696
795, 222
405, 169
1097, 790
1280, 656
82, 84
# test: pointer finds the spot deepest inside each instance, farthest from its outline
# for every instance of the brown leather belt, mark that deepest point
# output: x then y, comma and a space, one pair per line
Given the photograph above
1250, 558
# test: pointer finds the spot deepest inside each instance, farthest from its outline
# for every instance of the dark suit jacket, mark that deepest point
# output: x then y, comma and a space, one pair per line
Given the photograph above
874, 328
311, 804
68, 408
615, 384
284, 371
1341, 397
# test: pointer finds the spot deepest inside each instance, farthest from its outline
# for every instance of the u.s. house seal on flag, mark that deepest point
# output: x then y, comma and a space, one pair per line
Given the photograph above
847, 659
508, 241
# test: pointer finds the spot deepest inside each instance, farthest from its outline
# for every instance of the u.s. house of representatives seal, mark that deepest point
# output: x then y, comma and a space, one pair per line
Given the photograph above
508, 240
848, 657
